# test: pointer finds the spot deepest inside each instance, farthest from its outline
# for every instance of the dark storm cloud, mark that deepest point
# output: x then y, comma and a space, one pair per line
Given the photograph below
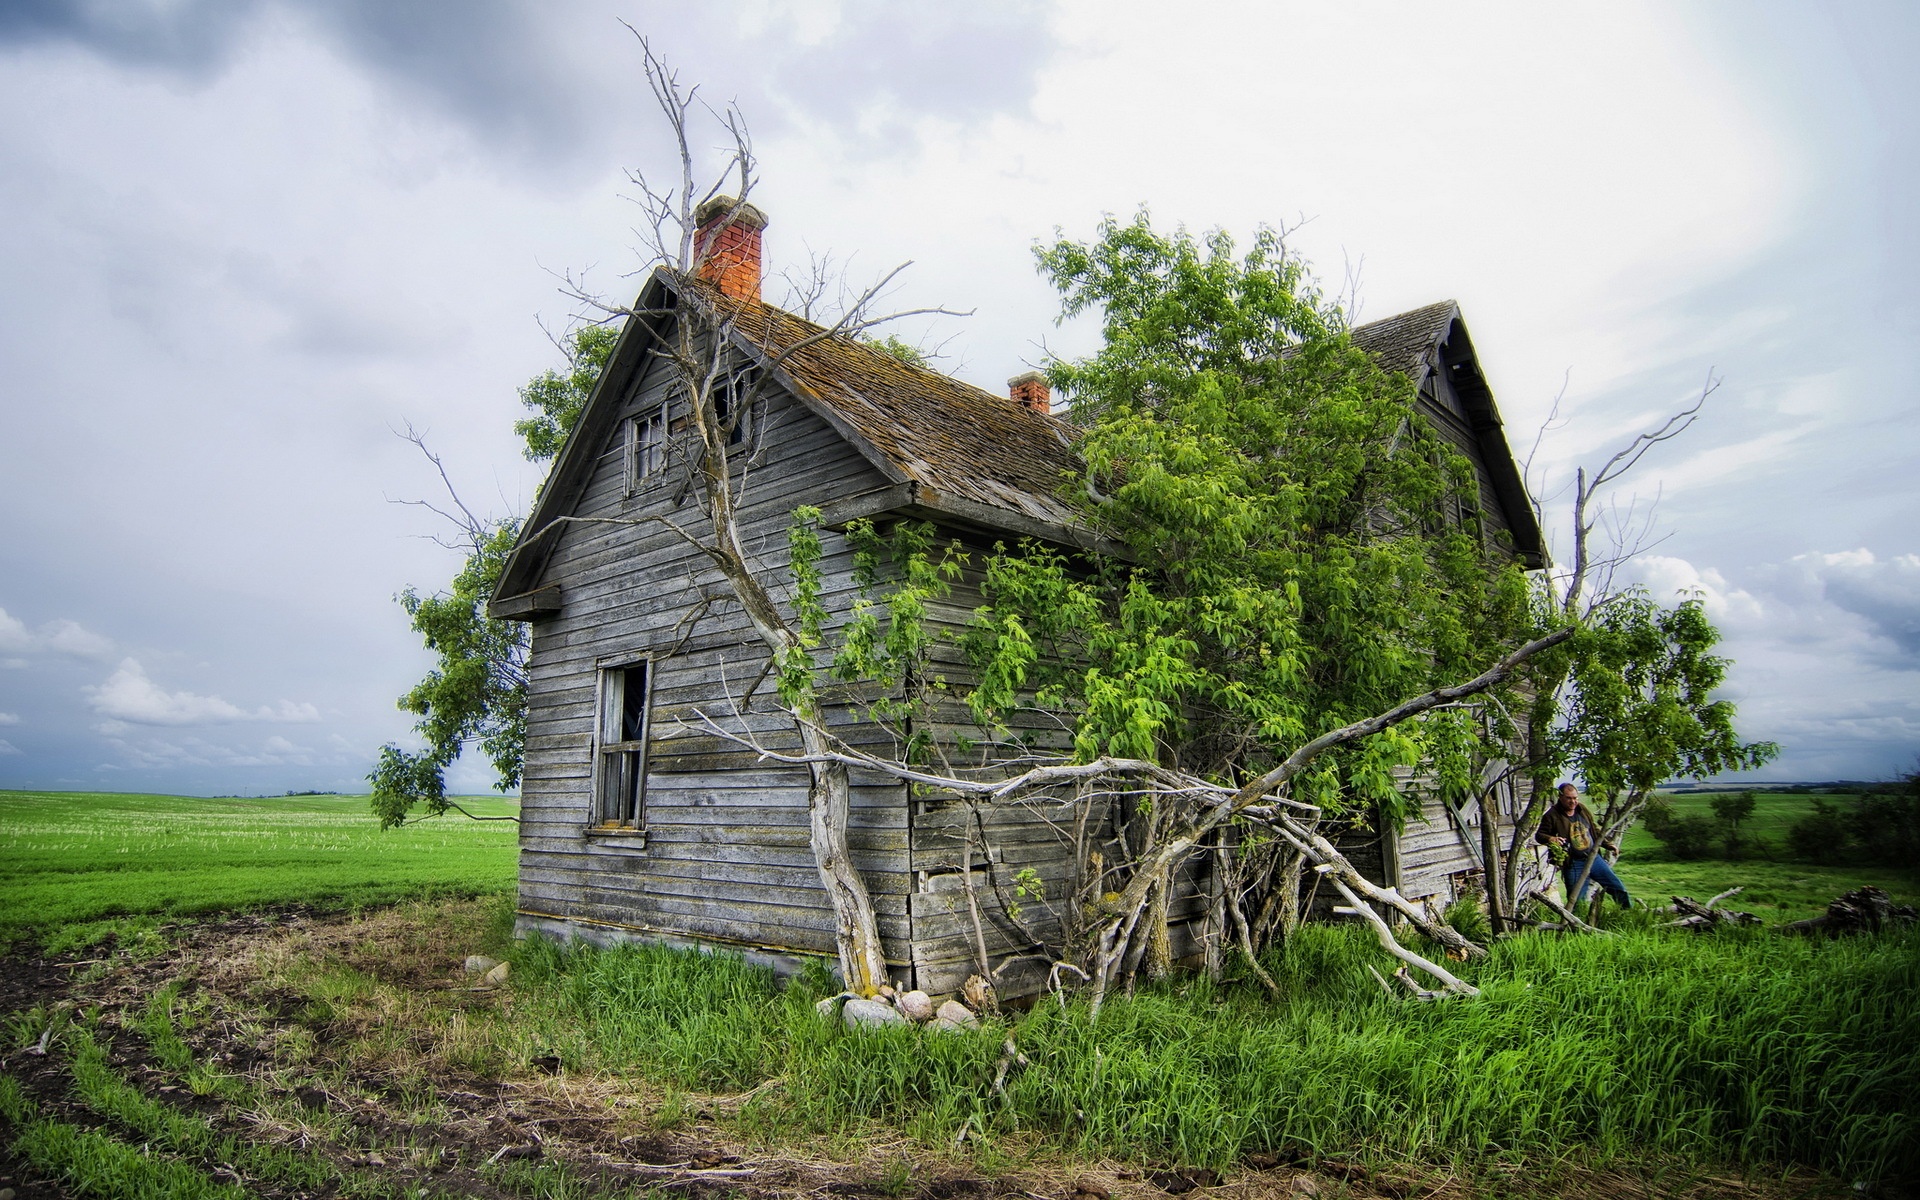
191, 38
489, 63
558, 82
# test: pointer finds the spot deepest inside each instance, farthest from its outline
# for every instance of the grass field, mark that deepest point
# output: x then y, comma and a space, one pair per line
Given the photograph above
1776, 890
1644, 1058
77, 857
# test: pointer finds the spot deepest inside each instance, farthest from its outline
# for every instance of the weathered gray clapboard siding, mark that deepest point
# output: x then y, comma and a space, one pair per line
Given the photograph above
725, 857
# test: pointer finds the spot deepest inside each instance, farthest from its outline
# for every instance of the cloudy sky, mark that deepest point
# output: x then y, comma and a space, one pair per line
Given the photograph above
244, 241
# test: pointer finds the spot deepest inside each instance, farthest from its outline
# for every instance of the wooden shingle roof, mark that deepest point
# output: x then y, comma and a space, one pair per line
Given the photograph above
1405, 342
918, 426
951, 450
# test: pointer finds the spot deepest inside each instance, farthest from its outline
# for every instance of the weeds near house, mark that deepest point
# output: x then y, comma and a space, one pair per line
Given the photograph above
1754, 1049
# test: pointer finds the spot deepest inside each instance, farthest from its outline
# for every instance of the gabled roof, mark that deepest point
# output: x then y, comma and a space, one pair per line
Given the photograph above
1405, 342
951, 450
915, 425
1433, 340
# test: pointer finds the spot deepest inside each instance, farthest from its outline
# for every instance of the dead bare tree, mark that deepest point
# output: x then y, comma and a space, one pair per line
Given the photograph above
1128, 931
1579, 591
685, 231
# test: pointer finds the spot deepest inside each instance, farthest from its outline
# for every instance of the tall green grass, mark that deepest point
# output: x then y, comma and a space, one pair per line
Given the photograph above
1751, 1047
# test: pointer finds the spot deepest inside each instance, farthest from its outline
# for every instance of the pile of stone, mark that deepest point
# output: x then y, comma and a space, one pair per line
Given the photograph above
892, 1006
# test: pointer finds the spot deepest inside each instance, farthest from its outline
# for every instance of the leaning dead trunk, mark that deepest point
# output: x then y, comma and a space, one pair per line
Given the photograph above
863, 963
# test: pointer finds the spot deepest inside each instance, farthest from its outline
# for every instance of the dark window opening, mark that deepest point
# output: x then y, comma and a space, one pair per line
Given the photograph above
622, 788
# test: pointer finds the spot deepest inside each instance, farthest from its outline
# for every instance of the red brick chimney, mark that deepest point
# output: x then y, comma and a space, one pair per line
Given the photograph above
726, 253
1031, 390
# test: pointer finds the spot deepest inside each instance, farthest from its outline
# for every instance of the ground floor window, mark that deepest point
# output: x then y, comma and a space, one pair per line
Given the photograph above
621, 770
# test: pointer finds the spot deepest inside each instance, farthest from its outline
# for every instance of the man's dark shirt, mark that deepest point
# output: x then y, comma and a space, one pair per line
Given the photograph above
1558, 824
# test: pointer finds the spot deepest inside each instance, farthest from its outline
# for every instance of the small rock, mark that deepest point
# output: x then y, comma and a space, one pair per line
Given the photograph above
954, 1015
914, 1005
885, 991
1308, 1186
1085, 1190
830, 1007
480, 964
496, 975
6, 1194
868, 1014
859, 1013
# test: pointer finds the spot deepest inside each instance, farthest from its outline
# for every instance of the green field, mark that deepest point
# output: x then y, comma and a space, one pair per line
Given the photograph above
1775, 888
70, 857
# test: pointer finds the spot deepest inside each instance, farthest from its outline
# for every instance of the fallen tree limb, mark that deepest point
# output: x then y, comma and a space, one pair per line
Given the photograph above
1356, 907
1863, 910
1566, 914
1695, 915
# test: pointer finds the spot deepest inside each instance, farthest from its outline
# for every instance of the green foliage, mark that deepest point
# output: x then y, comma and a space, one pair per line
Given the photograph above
905, 351
1690, 837
1733, 810
1468, 917
1299, 548
476, 691
1876, 827
558, 397
1822, 835
1641, 709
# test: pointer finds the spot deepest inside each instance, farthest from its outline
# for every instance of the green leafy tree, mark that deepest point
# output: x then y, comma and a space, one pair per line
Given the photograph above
1733, 810
1298, 548
476, 691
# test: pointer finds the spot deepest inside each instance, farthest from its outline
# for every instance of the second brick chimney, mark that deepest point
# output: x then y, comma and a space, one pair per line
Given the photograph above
726, 253
1030, 390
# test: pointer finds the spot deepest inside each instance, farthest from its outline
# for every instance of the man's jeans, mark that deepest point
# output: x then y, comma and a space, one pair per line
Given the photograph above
1601, 874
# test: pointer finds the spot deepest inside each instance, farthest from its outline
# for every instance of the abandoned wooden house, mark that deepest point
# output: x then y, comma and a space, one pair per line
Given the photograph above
638, 824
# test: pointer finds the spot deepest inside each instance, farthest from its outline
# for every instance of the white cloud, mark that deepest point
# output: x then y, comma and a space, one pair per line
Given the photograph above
129, 695
70, 637
1824, 650
1667, 579
61, 636
13, 635
7, 718
13, 664
7, 748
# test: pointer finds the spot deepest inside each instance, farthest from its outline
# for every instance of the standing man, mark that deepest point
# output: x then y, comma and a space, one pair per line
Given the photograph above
1570, 826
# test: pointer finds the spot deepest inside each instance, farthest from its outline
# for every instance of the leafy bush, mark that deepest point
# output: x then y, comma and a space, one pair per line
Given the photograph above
1875, 827
1822, 835
1684, 837
1886, 827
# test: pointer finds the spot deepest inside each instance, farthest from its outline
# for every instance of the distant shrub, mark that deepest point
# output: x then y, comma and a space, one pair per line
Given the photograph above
1684, 837
1877, 826
1886, 826
1822, 835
